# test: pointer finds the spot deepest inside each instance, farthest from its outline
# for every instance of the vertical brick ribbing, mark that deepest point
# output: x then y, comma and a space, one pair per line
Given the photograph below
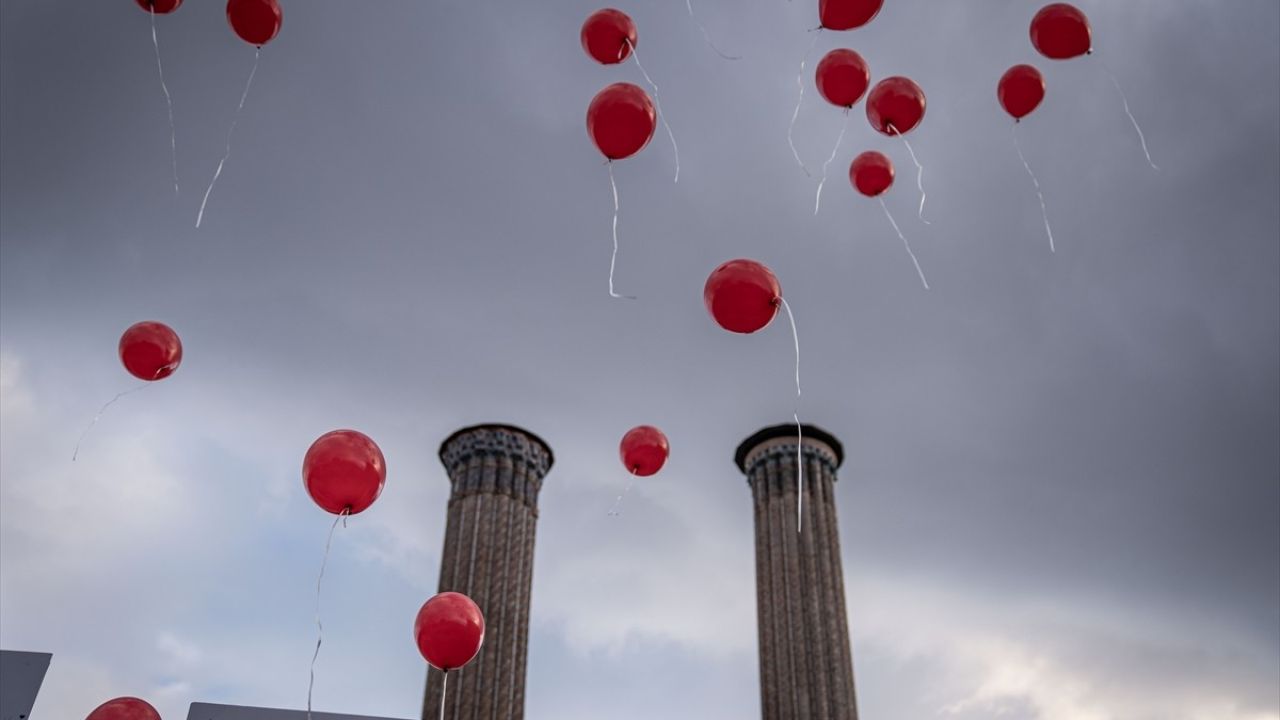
806, 667
496, 473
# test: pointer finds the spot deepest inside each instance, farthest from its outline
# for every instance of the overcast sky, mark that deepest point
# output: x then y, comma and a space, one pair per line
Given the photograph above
1061, 497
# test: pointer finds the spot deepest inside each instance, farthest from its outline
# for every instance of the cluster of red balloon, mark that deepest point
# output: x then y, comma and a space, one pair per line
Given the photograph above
1059, 31
621, 118
895, 107
344, 472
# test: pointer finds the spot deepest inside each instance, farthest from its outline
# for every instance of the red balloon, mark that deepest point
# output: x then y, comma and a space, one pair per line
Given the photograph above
1061, 32
1020, 90
847, 14
449, 630
605, 36
150, 350
742, 296
644, 450
897, 102
842, 77
344, 470
124, 708
621, 120
255, 21
159, 7
871, 173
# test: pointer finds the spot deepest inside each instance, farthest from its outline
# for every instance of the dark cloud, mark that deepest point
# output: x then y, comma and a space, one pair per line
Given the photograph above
412, 234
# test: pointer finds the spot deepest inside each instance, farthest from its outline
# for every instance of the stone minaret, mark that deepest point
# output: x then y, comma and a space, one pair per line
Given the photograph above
806, 668
496, 472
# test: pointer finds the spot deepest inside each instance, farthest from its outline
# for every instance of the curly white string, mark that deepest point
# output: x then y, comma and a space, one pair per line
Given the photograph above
444, 690
706, 35
1043, 212
799, 474
342, 516
919, 172
657, 104
795, 337
1125, 99
616, 503
236, 118
817, 201
799, 101
97, 417
173, 131
614, 260
904, 243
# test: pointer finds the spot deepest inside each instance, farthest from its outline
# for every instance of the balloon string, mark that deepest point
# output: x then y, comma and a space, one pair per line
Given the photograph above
657, 105
173, 131
904, 243
799, 474
1044, 212
919, 173
799, 101
616, 503
796, 337
236, 118
444, 689
319, 627
706, 35
614, 260
1125, 99
817, 202
93, 422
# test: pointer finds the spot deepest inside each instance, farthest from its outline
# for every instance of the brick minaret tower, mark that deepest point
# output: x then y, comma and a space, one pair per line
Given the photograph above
806, 668
496, 472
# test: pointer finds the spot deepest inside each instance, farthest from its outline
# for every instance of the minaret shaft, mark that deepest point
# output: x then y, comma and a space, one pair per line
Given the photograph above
806, 667
496, 472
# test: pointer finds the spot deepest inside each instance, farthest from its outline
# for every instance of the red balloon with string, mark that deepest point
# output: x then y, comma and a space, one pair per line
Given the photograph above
895, 105
159, 7
1060, 31
257, 22
847, 14
842, 77
1020, 90
150, 350
621, 120
344, 471
124, 708
742, 296
449, 630
608, 36
871, 173
644, 450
